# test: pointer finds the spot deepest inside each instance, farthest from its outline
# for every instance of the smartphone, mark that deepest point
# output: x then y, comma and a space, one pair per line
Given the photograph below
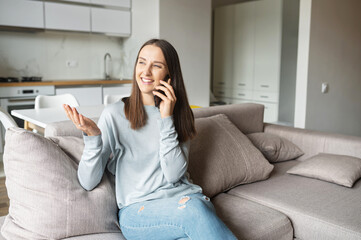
157, 99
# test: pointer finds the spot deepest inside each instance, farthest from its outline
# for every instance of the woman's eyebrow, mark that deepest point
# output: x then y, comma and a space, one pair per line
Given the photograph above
154, 61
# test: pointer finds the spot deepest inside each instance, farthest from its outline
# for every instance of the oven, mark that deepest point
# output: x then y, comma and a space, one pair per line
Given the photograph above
15, 98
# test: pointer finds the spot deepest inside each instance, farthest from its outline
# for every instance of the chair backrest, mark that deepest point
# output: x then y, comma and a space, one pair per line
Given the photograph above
42, 101
108, 99
6, 119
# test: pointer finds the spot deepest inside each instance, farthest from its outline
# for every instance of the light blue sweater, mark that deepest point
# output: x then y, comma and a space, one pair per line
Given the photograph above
148, 163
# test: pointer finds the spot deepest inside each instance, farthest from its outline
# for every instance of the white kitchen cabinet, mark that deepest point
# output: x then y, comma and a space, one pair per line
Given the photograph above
59, 16
110, 21
270, 111
247, 53
114, 3
124, 89
267, 49
76, 1
222, 52
21, 13
243, 57
86, 96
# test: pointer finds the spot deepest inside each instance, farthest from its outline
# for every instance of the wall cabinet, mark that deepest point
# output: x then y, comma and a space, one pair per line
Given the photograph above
59, 16
112, 17
247, 54
110, 21
76, 1
114, 3
21, 13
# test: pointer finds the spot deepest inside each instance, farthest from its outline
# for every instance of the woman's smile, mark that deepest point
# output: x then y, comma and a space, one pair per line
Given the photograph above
147, 81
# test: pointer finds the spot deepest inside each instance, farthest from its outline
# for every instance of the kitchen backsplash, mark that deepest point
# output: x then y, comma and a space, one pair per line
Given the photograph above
60, 56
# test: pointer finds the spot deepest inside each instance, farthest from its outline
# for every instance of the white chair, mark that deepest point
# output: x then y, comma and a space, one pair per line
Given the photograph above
6, 119
108, 99
42, 101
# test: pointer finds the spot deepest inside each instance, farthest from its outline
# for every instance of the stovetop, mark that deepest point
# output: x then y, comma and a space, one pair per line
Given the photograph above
22, 79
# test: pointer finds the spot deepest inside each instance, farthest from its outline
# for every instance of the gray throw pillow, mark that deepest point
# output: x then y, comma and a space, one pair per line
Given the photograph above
222, 157
46, 199
275, 148
339, 169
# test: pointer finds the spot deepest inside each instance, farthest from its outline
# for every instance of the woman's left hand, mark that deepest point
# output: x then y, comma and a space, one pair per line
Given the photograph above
167, 104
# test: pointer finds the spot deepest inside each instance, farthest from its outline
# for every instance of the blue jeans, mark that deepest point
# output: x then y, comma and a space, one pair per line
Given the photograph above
189, 217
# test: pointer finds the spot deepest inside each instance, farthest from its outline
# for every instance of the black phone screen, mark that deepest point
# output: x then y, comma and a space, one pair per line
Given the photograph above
157, 99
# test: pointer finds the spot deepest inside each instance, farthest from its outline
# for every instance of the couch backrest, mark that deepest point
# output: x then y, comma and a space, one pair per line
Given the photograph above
313, 142
248, 117
64, 128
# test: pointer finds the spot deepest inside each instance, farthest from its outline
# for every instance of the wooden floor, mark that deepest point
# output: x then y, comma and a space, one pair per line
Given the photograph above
4, 200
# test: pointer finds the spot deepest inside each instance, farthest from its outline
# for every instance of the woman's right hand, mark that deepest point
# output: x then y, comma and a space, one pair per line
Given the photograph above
82, 123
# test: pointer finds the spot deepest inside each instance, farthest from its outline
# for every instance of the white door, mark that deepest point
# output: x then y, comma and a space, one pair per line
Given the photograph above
244, 26
268, 39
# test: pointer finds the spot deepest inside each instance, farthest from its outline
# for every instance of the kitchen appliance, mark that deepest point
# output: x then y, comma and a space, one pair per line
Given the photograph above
22, 97
23, 79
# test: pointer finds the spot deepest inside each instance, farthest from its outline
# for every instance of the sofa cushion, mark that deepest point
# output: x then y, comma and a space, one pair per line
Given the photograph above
339, 169
318, 210
250, 220
222, 157
275, 148
46, 200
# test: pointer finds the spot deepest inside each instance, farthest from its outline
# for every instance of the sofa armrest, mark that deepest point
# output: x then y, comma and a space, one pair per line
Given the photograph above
314, 142
64, 128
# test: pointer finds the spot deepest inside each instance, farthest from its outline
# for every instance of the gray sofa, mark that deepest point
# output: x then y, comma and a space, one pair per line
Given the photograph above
284, 206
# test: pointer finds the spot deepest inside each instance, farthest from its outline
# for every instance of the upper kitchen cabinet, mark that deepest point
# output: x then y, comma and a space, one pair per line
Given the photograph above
111, 17
59, 16
21, 13
110, 21
76, 1
113, 3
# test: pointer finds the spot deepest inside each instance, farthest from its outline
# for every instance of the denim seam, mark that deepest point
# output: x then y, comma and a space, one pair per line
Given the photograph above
158, 225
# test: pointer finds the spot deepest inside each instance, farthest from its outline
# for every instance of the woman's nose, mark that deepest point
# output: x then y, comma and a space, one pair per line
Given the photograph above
146, 70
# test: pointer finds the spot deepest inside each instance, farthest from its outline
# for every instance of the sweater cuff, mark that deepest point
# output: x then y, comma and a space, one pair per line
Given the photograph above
92, 141
166, 123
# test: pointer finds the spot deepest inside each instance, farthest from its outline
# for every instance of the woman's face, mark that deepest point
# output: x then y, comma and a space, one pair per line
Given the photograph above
150, 69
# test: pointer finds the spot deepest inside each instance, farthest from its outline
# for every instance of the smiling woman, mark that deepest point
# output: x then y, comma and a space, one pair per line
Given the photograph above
150, 148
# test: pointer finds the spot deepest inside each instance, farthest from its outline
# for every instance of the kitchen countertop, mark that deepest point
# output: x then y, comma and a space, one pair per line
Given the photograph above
66, 83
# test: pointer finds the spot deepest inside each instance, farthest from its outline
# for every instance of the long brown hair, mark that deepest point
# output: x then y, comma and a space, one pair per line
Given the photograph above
182, 114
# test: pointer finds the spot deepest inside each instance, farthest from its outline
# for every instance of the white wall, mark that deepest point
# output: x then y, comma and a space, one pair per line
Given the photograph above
45, 54
187, 25
334, 58
145, 25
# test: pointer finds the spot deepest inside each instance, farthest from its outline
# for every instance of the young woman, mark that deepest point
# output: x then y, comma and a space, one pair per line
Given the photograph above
146, 147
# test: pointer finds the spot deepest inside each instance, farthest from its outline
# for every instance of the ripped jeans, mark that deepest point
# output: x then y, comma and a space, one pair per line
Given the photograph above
189, 217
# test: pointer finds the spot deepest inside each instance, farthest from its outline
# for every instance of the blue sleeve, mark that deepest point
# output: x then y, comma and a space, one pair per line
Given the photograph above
95, 156
173, 155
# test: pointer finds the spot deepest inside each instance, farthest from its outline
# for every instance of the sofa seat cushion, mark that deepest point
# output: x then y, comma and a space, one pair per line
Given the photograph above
102, 236
317, 209
250, 220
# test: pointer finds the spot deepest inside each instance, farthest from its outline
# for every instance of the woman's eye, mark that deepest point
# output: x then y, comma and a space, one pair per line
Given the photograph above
141, 62
157, 66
